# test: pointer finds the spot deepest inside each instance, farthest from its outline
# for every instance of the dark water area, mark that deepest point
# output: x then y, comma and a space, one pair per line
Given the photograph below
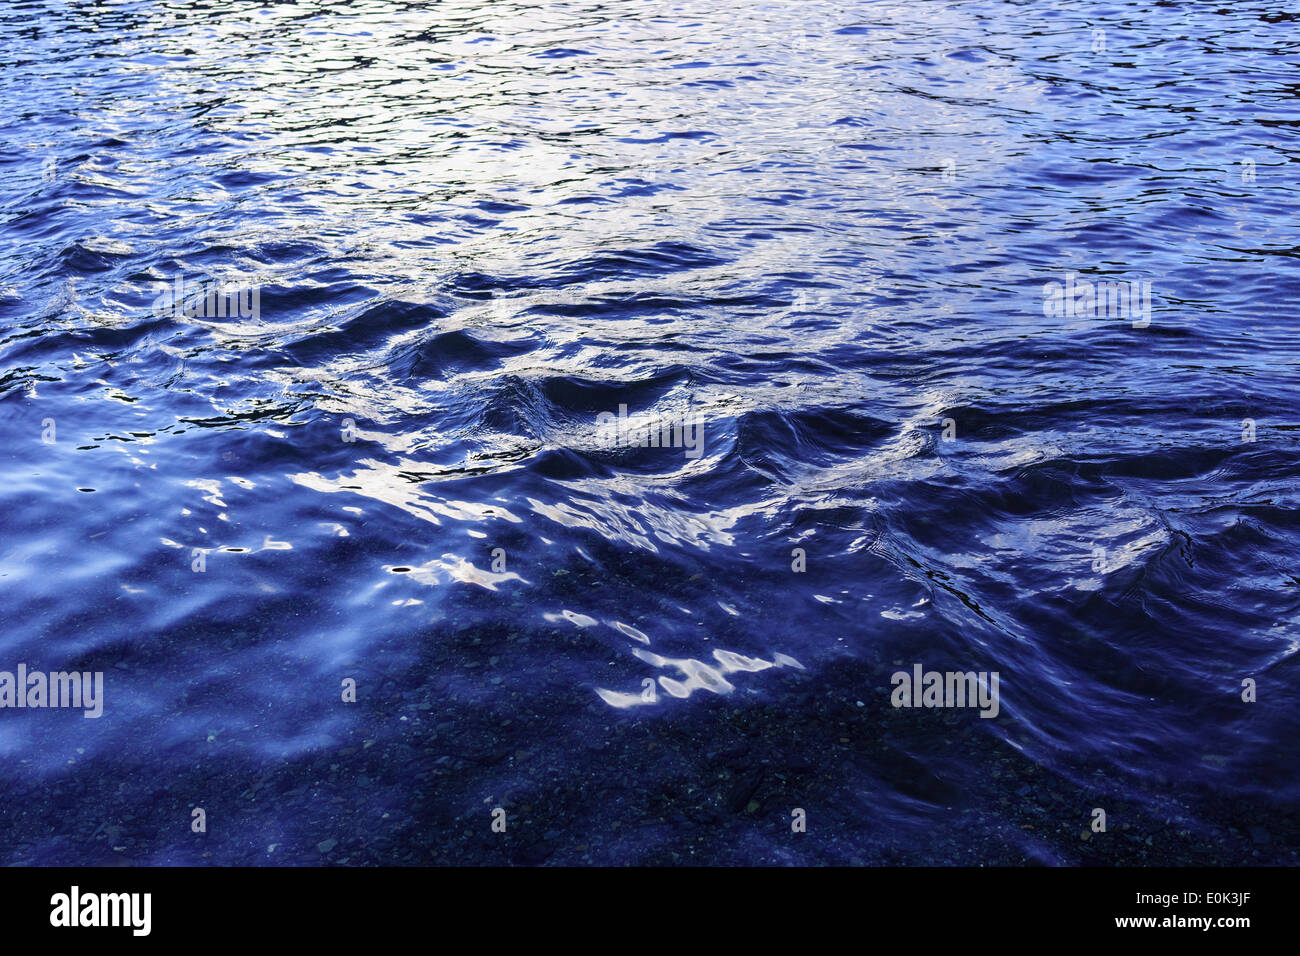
819, 244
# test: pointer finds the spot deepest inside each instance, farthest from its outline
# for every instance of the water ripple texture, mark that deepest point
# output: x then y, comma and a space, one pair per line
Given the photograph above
586, 411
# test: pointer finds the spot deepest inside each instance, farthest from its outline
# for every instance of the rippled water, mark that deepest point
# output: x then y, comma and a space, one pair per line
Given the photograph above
819, 232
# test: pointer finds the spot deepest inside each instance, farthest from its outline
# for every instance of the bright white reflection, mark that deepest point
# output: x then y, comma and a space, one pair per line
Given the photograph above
694, 675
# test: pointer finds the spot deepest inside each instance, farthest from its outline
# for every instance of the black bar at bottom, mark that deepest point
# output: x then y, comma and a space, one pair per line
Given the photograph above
335, 905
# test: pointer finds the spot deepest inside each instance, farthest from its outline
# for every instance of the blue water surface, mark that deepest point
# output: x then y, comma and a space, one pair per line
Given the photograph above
469, 236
